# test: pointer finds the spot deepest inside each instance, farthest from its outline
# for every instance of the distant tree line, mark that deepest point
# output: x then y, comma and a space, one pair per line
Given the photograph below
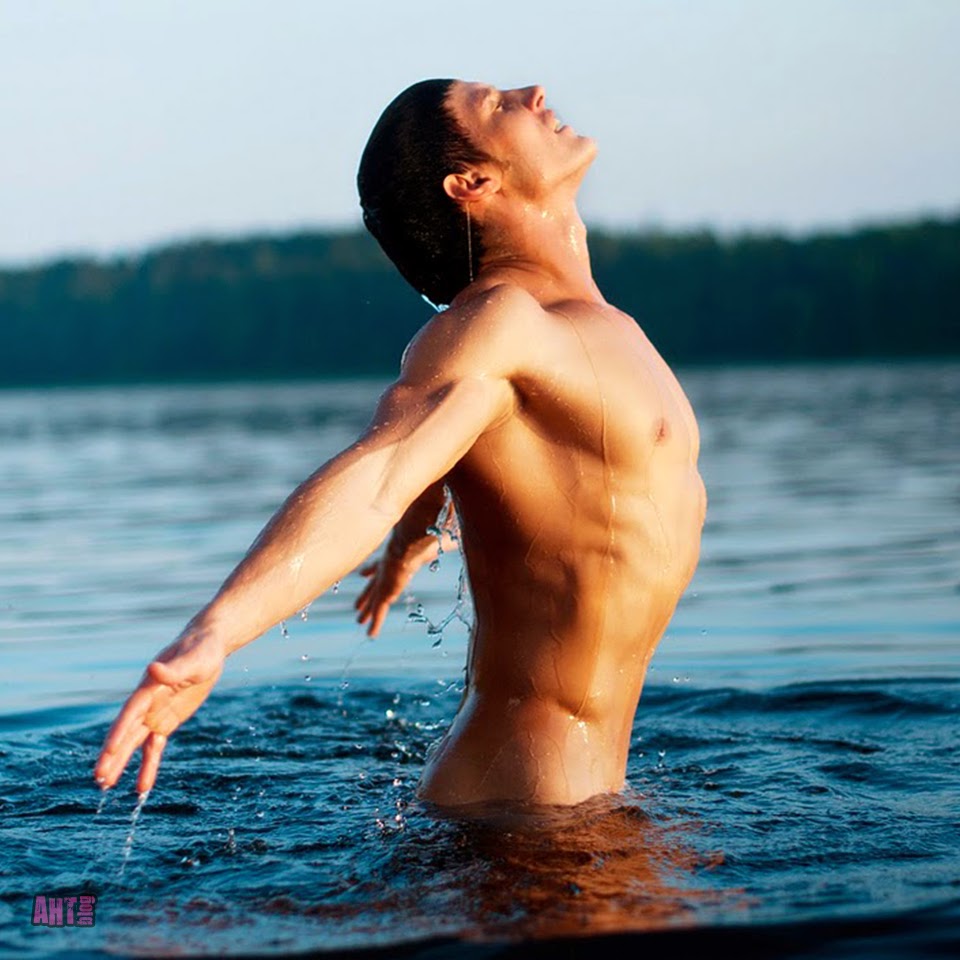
320, 304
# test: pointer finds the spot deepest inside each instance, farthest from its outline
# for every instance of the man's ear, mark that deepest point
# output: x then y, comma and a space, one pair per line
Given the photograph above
471, 185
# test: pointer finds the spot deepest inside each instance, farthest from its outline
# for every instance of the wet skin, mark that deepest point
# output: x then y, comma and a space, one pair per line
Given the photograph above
580, 517
570, 451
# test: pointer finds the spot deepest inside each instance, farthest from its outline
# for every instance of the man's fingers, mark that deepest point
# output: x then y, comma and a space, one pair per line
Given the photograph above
394, 593
125, 735
129, 720
115, 758
378, 617
152, 752
362, 599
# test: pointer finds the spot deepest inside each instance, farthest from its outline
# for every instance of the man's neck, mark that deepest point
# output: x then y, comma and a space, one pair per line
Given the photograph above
543, 248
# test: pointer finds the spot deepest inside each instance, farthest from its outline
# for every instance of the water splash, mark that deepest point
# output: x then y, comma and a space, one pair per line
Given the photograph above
438, 307
446, 524
460, 612
128, 843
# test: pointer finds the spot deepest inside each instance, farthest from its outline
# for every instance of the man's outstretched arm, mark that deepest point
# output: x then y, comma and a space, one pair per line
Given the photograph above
423, 425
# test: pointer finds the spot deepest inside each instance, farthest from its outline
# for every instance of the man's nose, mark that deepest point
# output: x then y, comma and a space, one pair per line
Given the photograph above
534, 97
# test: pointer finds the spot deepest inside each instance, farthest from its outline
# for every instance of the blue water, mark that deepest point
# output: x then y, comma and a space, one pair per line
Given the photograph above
793, 776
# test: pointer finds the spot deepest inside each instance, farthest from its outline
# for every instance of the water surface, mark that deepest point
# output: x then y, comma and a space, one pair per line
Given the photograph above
794, 758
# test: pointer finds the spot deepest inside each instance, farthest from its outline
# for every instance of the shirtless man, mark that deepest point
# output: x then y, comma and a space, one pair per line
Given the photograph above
567, 444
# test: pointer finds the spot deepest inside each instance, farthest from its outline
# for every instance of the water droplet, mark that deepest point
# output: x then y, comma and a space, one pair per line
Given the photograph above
434, 566
336, 586
283, 630
128, 843
307, 677
304, 657
389, 714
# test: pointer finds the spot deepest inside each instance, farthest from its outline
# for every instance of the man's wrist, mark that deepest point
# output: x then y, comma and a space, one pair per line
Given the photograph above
206, 629
399, 550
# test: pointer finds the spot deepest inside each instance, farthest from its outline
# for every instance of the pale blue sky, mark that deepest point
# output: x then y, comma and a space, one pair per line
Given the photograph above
130, 122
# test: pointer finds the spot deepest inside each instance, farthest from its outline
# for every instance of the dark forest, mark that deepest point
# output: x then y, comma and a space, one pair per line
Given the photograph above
330, 304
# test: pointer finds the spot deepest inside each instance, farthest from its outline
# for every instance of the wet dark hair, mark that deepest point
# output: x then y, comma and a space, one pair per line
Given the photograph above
417, 141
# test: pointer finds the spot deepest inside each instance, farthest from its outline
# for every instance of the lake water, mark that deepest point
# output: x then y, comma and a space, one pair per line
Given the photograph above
794, 773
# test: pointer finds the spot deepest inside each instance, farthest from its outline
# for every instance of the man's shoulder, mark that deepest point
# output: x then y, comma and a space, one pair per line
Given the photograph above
487, 331
487, 309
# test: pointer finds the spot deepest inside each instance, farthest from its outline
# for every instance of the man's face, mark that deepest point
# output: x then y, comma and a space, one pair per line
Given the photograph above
516, 128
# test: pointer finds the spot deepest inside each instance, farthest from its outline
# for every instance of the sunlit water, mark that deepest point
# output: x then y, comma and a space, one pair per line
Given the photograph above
794, 761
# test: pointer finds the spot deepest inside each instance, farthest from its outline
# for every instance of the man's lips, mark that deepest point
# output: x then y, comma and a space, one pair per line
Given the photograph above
554, 123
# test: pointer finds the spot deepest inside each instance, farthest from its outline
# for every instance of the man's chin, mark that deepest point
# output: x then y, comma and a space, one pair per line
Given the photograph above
587, 152
588, 146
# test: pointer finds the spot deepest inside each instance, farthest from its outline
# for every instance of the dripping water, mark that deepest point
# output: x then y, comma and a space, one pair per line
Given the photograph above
128, 843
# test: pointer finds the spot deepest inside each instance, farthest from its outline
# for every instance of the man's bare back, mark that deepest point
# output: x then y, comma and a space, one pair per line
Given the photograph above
581, 518
566, 441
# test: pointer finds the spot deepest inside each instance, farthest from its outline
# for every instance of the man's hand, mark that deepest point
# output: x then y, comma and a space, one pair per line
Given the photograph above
388, 578
172, 689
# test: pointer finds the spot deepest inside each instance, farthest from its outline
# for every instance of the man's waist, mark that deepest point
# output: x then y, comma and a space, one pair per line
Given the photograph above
502, 703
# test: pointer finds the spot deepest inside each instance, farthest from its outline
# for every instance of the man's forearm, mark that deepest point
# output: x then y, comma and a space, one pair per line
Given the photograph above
327, 526
338, 516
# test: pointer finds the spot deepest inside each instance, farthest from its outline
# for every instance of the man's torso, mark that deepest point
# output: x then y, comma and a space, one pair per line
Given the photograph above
581, 519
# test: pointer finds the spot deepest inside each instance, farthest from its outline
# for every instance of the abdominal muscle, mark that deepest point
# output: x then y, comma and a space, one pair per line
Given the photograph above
543, 719
555, 670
